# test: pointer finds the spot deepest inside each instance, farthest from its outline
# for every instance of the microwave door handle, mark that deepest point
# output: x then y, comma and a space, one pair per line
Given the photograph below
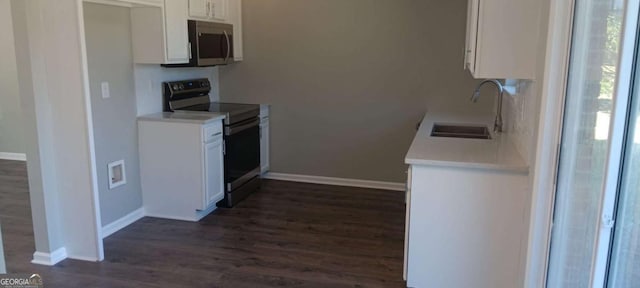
226, 35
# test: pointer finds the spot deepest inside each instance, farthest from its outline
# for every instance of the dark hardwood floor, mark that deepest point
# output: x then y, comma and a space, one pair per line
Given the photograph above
286, 235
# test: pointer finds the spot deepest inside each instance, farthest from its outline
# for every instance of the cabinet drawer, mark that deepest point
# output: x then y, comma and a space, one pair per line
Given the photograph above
212, 132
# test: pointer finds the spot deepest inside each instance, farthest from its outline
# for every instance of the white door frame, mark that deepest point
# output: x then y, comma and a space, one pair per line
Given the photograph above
550, 134
550, 127
617, 131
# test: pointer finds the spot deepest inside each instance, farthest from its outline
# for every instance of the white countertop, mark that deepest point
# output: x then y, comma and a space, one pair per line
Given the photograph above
497, 153
184, 117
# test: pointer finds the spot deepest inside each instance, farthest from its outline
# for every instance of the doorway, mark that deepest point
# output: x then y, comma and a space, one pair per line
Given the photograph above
595, 238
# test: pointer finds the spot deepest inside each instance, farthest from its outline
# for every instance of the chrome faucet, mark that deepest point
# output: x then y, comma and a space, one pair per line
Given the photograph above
497, 125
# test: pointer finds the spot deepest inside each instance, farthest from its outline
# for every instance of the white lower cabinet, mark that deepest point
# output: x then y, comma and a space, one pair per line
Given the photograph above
466, 227
407, 224
214, 163
181, 168
264, 139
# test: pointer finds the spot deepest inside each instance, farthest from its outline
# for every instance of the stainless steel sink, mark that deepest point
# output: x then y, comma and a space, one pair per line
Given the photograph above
461, 131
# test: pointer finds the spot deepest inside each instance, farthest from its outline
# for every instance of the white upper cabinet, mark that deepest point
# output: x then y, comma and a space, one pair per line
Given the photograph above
130, 3
146, 2
160, 34
160, 31
502, 38
220, 10
211, 10
199, 9
177, 32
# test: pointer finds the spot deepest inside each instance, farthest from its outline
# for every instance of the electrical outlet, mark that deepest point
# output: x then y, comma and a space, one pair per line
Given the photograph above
105, 90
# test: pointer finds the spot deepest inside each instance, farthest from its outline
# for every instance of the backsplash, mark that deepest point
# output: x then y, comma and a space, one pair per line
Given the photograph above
521, 117
149, 78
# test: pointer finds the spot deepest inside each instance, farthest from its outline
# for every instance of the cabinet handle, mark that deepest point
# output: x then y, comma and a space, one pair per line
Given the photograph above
189, 47
208, 9
226, 35
216, 134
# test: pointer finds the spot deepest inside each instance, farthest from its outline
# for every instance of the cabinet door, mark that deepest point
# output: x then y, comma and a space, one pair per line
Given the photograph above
199, 9
214, 173
157, 3
473, 11
407, 224
219, 10
177, 32
264, 145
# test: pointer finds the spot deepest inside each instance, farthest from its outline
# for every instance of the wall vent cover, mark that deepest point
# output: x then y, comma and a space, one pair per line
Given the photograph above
117, 174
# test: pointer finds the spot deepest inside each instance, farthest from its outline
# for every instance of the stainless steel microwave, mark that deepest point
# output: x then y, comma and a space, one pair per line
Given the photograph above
211, 44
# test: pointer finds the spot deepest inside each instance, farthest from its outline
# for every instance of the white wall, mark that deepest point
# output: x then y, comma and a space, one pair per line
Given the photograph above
11, 131
110, 58
135, 90
349, 80
522, 115
522, 111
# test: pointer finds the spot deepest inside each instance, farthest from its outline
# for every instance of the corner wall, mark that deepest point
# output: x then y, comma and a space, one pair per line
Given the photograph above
57, 119
522, 111
135, 90
109, 55
349, 80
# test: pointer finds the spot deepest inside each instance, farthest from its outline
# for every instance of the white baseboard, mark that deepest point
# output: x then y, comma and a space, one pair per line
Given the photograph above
336, 181
49, 259
83, 258
125, 221
13, 156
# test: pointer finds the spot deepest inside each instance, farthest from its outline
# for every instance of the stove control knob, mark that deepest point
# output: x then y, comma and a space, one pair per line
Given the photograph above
175, 87
204, 84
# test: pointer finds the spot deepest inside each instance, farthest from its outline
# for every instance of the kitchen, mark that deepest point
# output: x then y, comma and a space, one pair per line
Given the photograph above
199, 109
194, 87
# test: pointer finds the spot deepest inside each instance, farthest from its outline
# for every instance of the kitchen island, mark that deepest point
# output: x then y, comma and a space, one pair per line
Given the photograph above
467, 209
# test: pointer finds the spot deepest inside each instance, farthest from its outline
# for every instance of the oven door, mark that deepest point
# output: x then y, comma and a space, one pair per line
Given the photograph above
214, 43
242, 153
